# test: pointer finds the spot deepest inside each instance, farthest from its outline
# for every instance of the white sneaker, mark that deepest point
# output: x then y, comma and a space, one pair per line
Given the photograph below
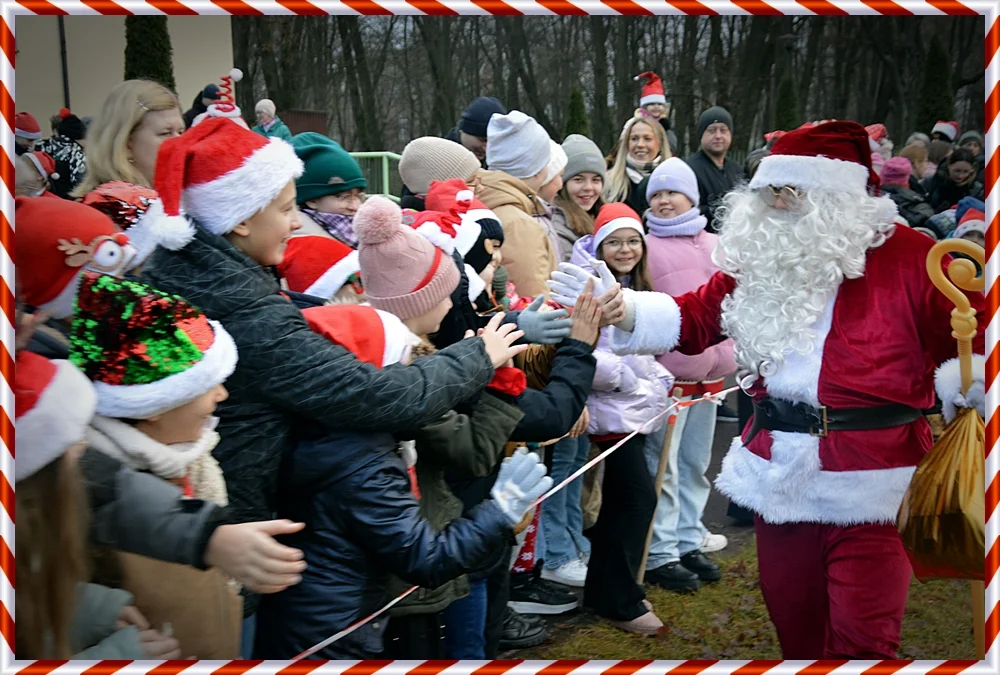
573, 573
713, 543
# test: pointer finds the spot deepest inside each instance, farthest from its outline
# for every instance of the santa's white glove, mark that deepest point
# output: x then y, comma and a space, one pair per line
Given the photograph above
520, 482
948, 384
974, 398
568, 282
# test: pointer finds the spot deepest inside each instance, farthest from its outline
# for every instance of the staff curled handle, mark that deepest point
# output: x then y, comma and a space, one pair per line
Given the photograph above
961, 275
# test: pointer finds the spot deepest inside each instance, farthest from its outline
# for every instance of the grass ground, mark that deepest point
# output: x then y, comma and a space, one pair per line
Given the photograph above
728, 620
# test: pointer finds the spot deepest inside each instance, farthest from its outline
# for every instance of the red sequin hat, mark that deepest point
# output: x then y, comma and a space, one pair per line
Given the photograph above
146, 351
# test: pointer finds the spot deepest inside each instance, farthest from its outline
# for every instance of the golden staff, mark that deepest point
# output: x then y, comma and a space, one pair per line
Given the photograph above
962, 275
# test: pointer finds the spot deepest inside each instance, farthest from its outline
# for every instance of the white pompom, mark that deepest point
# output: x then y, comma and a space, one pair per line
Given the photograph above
636, 78
171, 232
236, 74
464, 197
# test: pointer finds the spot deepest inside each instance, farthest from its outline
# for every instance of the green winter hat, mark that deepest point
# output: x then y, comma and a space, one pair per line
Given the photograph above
329, 169
146, 351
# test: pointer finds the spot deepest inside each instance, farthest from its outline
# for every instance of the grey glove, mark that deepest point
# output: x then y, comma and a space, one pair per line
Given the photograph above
544, 328
520, 482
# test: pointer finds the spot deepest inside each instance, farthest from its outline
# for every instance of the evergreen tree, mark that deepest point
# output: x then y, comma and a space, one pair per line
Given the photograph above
576, 120
937, 100
148, 54
787, 111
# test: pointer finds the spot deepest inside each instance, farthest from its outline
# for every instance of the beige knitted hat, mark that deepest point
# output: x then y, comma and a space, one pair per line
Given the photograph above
429, 158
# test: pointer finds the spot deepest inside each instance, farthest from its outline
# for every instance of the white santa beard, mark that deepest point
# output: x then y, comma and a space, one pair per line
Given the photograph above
788, 265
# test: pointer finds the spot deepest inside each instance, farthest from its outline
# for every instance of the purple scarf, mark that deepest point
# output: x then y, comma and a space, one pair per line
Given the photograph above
340, 227
685, 225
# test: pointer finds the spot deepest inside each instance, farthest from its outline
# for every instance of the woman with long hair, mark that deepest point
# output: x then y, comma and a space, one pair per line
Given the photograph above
580, 197
641, 148
125, 138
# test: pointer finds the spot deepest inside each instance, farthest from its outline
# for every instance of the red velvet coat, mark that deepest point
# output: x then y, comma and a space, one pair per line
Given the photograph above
879, 341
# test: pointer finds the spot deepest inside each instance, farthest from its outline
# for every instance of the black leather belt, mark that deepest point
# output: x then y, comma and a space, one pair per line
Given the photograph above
776, 415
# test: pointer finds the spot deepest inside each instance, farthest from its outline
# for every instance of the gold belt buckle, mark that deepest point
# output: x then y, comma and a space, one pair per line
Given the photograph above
826, 430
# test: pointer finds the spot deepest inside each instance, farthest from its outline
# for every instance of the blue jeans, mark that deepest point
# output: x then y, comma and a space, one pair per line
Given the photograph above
677, 528
562, 515
247, 635
465, 624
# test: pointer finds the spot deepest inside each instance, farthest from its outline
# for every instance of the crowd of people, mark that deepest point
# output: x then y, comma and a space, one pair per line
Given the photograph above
255, 404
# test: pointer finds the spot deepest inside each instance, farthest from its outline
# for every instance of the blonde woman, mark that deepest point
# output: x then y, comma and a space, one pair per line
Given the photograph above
641, 148
137, 116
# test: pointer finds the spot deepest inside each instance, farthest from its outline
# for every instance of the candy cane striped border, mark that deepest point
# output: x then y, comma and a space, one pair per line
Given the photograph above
10, 9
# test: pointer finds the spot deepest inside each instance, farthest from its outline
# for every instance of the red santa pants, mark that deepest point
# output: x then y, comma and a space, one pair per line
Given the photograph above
834, 592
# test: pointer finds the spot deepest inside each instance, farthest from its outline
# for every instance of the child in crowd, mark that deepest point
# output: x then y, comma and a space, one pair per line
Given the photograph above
330, 189
972, 227
580, 196
680, 260
366, 518
59, 615
158, 366
238, 188
322, 267
628, 393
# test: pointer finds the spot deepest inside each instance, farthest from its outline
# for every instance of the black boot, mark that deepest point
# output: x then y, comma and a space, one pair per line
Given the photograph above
521, 631
697, 562
674, 577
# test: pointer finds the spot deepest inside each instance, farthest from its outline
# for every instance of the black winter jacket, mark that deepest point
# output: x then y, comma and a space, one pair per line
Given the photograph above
912, 206
362, 522
942, 193
288, 375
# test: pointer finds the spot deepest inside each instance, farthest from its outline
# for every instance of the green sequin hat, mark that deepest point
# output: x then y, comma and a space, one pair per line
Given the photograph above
146, 351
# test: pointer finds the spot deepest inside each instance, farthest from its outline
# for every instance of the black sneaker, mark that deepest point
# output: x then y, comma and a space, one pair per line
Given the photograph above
698, 562
726, 414
674, 577
530, 594
521, 631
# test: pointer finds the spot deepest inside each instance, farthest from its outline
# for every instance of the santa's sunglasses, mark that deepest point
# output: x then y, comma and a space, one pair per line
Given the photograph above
789, 195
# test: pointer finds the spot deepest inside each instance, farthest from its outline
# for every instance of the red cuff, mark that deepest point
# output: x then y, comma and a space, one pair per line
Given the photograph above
509, 380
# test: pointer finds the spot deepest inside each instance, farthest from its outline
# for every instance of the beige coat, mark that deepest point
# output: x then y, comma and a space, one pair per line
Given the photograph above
527, 250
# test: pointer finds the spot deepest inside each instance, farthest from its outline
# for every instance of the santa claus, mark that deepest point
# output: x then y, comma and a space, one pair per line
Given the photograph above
839, 332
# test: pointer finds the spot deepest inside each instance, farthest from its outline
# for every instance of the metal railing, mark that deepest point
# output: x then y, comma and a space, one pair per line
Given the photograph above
381, 170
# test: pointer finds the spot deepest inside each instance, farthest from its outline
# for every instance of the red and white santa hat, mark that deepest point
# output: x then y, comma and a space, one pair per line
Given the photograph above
831, 156
613, 217
652, 89
43, 163
949, 129
26, 126
973, 220
220, 174
464, 211
374, 336
53, 405
317, 265
877, 134
62, 238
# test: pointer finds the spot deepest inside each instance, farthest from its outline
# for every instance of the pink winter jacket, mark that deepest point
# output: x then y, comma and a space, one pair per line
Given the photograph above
628, 390
678, 265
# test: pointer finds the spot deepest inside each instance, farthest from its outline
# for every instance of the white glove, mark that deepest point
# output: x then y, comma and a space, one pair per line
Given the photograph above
568, 282
974, 398
520, 482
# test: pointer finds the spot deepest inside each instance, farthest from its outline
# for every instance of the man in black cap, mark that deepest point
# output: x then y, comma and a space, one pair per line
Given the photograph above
471, 129
206, 97
716, 174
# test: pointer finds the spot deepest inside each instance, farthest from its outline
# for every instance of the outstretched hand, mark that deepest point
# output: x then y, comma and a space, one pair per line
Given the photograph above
248, 553
544, 328
499, 339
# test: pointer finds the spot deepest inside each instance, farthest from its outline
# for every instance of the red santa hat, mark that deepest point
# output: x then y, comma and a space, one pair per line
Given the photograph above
62, 239
133, 208
652, 89
465, 213
949, 129
43, 163
974, 220
53, 405
830, 156
374, 336
317, 265
26, 126
220, 174
614, 217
